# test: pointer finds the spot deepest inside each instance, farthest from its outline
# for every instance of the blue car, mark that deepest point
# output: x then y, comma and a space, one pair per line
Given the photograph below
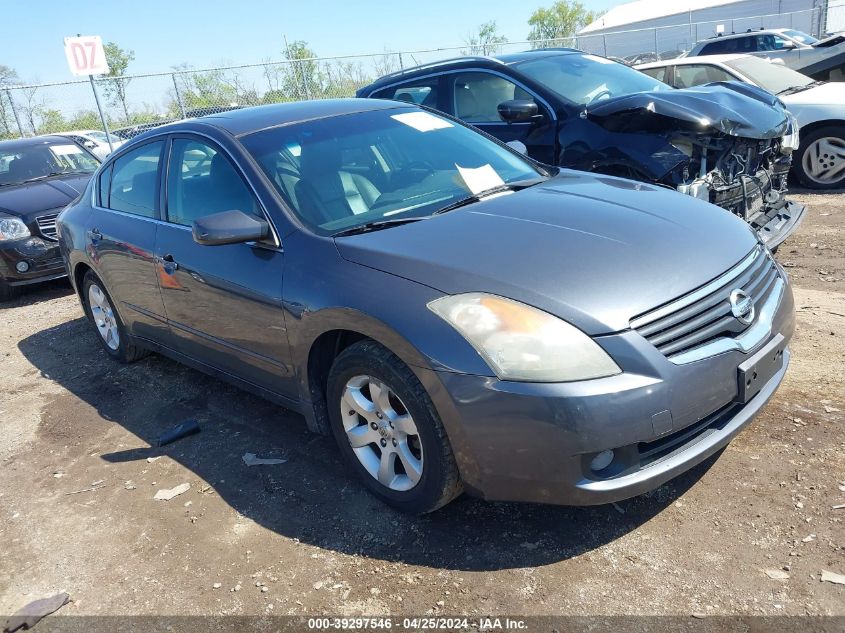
457, 316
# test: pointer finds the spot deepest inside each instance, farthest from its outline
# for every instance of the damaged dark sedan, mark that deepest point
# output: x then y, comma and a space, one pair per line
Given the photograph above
724, 143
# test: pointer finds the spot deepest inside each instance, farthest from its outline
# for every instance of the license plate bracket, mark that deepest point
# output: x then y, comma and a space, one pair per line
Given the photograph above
755, 372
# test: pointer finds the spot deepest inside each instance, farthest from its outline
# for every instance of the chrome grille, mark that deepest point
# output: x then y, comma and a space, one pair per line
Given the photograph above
705, 314
47, 226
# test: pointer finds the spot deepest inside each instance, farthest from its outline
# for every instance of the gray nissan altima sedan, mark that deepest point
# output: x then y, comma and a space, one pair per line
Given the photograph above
459, 317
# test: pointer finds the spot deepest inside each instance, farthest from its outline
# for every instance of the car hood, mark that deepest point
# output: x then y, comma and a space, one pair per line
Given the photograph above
594, 250
736, 109
827, 94
31, 199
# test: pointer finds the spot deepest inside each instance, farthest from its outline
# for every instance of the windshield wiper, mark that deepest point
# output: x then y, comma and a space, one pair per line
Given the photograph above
376, 225
793, 89
513, 186
57, 173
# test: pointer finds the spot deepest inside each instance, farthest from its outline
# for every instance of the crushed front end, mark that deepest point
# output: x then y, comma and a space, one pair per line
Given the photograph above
746, 176
730, 144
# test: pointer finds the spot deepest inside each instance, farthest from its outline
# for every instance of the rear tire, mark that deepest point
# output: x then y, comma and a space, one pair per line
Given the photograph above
408, 465
106, 321
820, 154
7, 292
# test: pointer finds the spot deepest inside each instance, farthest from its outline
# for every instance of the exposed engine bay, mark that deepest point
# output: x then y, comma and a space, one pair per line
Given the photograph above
730, 144
745, 176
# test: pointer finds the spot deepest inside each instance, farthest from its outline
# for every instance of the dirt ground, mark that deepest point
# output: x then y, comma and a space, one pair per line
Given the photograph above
78, 477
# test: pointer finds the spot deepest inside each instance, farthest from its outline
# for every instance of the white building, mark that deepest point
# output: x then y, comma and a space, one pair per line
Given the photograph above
665, 25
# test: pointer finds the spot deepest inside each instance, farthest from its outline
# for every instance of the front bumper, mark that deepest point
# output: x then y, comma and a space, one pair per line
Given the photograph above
43, 258
776, 225
534, 442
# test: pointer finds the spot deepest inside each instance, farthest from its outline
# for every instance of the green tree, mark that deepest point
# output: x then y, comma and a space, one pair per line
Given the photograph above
51, 121
114, 83
302, 77
560, 21
486, 41
8, 77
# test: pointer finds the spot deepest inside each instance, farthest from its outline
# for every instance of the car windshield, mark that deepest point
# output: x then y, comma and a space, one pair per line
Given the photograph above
584, 79
102, 138
20, 164
800, 36
775, 78
382, 166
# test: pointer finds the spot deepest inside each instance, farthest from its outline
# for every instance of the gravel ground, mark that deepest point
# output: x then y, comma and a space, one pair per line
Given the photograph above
78, 479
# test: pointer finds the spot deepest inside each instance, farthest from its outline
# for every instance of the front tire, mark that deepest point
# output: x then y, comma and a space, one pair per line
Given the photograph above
99, 308
388, 430
819, 162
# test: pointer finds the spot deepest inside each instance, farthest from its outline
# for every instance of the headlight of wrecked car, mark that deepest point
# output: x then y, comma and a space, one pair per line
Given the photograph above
523, 343
790, 140
12, 228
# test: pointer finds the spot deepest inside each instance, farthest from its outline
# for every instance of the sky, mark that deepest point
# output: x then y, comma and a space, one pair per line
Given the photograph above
207, 33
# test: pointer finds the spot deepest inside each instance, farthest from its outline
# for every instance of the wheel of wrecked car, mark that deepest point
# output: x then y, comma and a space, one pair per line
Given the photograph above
388, 430
820, 163
110, 329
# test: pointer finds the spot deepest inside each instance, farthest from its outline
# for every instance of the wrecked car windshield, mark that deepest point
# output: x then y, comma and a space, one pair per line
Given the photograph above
772, 77
584, 79
400, 164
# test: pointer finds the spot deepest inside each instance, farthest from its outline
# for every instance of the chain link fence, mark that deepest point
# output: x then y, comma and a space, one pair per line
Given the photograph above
133, 103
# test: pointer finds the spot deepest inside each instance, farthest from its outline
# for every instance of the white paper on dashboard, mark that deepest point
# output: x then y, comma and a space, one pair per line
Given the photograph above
422, 121
65, 150
478, 179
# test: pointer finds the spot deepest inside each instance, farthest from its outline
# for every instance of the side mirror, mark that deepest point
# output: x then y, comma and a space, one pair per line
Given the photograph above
229, 227
518, 110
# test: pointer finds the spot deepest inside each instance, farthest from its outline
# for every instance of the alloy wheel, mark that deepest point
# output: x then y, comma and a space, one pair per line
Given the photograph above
382, 433
824, 160
104, 317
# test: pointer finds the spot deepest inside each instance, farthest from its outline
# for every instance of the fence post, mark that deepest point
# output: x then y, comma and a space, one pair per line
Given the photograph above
655, 40
401, 63
604, 43
178, 95
14, 111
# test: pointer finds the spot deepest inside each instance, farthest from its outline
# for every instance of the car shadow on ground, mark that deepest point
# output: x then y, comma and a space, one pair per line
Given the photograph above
311, 497
37, 293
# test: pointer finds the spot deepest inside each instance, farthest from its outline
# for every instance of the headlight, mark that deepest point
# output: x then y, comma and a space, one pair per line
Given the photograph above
12, 228
523, 343
790, 140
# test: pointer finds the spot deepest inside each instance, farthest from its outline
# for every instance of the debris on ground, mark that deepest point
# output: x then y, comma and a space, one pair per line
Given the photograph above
183, 429
150, 460
166, 495
96, 485
777, 574
28, 616
829, 576
250, 459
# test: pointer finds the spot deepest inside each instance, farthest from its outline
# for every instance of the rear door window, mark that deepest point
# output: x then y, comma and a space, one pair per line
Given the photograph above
134, 182
421, 92
661, 73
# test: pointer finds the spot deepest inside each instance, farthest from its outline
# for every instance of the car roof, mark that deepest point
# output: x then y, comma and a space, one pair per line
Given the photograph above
248, 120
696, 59
465, 61
32, 141
730, 36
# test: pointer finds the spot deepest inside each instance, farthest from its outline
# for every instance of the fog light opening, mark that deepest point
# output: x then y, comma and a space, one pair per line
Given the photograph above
22, 267
602, 460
